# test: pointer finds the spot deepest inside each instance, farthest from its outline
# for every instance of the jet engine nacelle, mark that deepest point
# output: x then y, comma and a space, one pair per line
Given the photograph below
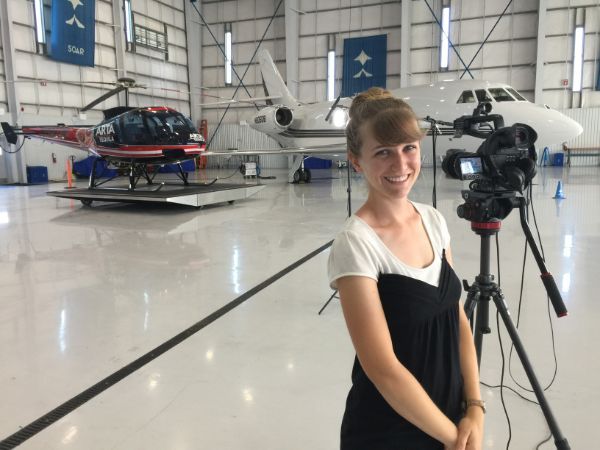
273, 119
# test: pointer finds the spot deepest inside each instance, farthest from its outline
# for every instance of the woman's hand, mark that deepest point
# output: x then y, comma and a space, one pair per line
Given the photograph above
470, 430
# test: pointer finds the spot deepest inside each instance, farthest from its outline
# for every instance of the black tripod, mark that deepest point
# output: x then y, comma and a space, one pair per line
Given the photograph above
484, 289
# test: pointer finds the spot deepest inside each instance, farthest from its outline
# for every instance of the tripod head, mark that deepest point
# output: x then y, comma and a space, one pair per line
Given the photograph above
487, 207
486, 210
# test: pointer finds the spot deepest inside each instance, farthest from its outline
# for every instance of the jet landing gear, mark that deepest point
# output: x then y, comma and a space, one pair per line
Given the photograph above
298, 173
302, 175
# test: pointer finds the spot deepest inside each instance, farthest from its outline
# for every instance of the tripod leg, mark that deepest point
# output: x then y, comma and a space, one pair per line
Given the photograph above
559, 440
327, 302
482, 325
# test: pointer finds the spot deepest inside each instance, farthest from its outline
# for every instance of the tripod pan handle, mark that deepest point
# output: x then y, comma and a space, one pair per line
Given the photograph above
559, 306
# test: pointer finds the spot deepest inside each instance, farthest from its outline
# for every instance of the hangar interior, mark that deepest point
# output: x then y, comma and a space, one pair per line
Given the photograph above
151, 326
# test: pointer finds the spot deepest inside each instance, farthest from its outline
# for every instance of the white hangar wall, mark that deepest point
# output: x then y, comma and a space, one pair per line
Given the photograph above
167, 74
510, 55
59, 101
251, 21
3, 100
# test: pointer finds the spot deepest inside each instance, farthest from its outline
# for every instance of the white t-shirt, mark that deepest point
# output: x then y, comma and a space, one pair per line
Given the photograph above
358, 251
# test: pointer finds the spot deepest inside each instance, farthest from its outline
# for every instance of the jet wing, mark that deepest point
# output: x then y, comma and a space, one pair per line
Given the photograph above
316, 150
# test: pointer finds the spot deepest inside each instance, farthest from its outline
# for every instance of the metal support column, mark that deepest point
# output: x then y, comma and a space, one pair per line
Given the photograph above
539, 61
119, 34
15, 163
193, 32
291, 45
405, 42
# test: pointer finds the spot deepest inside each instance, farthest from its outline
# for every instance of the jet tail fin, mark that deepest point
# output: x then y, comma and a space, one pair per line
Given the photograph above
9, 132
272, 81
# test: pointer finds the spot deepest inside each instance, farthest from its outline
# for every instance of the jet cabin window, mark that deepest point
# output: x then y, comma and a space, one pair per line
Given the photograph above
516, 95
466, 97
500, 95
482, 96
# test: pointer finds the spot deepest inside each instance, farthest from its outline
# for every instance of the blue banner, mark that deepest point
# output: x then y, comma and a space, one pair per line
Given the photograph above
365, 64
72, 38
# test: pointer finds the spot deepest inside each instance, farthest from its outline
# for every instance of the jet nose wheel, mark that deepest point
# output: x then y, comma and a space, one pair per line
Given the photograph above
302, 175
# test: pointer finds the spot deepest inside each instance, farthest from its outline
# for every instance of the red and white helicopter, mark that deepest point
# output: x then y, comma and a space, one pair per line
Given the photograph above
130, 137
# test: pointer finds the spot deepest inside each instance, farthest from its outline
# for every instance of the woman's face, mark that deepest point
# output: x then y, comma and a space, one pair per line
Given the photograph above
390, 170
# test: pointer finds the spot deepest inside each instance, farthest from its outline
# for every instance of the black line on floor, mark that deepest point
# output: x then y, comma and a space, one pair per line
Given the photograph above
61, 411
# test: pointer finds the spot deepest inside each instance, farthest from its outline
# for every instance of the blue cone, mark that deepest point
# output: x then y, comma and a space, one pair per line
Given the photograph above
559, 192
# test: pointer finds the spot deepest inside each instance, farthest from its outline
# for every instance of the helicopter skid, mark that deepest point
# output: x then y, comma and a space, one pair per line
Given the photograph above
196, 195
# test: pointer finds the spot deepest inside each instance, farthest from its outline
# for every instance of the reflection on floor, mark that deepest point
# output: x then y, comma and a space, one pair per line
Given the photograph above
85, 291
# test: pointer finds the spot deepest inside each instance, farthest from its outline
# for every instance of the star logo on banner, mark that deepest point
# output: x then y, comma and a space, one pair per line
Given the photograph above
74, 20
75, 3
362, 58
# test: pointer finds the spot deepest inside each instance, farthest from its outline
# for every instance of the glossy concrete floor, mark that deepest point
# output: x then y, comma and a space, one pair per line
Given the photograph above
84, 292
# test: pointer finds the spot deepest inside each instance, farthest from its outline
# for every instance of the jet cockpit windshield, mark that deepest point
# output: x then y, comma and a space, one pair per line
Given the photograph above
499, 94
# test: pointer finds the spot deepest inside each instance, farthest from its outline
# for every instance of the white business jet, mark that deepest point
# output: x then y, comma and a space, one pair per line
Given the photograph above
318, 128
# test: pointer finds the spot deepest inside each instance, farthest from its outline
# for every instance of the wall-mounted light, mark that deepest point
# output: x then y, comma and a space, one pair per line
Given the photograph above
228, 53
444, 38
40, 29
128, 24
331, 68
578, 58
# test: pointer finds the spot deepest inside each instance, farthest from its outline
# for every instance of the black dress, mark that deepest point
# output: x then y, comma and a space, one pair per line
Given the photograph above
423, 323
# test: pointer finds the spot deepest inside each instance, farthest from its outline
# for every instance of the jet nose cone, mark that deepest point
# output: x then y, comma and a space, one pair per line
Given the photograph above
572, 127
556, 128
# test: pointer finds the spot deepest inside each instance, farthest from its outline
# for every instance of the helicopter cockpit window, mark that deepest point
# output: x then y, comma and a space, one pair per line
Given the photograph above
134, 130
500, 95
516, 95
178, 125
482, 96
466, 97
167, 128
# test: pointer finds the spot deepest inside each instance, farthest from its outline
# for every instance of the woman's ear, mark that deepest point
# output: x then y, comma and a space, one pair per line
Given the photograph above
354, 160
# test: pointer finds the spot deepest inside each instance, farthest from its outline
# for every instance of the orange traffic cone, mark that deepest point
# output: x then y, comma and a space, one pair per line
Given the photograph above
69, 175
559, 192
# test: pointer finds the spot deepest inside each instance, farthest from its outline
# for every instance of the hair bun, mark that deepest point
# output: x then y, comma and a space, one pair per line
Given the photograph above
377, 93
372, 94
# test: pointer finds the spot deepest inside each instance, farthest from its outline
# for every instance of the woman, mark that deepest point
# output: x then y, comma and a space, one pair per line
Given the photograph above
415, 381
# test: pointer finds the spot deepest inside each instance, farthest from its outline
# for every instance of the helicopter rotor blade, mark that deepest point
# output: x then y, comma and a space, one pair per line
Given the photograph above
103, 97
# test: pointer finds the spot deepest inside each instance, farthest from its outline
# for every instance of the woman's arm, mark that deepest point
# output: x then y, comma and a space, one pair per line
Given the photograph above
371, 338
470, 430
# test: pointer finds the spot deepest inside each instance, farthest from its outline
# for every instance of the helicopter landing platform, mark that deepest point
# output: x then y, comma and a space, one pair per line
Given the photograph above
196, 195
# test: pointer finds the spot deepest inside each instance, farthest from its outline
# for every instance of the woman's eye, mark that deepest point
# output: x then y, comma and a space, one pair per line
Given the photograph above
410, 148
383, 152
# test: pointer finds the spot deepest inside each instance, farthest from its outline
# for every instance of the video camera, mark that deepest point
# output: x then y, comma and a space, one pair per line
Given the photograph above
505, 161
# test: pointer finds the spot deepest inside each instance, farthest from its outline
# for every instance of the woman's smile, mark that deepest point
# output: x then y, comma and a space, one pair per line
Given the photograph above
398, 179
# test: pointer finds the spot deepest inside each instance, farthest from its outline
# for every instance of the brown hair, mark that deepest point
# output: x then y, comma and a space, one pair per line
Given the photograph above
392, 121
